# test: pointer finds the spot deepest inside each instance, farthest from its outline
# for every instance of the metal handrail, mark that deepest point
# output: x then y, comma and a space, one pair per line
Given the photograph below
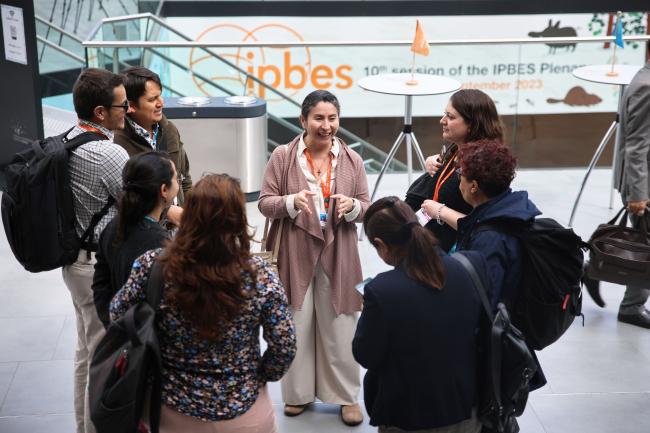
59, 29
61, 49
286, 44
277, 44
367, 146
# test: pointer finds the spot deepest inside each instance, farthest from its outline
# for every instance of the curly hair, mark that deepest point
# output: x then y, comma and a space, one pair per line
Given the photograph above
490, 163
479, 112
206, 261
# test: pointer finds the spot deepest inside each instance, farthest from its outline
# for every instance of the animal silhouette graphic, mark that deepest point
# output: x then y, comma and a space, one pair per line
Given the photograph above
577, 96
555, 31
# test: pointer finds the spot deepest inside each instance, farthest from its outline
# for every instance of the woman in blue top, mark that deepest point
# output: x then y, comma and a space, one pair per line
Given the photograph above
150, 183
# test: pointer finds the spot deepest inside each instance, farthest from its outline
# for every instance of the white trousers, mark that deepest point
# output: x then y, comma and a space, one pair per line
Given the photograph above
324, 367
78, 277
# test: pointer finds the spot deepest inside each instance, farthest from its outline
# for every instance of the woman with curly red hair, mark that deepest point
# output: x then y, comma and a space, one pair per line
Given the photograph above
487, 167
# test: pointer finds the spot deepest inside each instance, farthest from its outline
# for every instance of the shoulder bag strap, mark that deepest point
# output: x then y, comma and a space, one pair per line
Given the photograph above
155, 285
495, 335
478, 284
278, 235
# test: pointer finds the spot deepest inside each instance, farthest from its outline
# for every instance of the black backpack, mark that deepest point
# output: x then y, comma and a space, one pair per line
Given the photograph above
37, 206
506, 364
549, 295
127, 364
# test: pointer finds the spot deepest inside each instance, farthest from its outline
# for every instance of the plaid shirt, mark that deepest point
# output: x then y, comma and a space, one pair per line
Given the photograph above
95, 174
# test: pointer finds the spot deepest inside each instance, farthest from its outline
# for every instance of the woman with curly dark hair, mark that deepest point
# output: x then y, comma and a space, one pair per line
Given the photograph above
470, 116
487, 168
215, 299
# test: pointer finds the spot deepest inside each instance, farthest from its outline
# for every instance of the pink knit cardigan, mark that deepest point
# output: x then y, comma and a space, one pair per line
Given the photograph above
303, 241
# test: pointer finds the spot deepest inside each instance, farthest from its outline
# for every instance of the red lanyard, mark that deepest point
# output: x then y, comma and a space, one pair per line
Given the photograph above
444, 175
93, 129
325, 187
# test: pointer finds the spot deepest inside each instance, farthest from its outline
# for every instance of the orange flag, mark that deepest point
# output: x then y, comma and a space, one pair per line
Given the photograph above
420, 44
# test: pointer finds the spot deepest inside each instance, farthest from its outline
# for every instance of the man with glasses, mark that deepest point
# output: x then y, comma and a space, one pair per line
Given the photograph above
147, 129
95, 177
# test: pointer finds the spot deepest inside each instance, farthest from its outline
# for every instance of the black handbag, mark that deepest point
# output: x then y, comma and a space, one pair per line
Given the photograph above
620, 254
506, 365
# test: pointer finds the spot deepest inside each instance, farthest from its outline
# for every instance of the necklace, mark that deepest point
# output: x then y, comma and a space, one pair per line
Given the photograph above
317, 171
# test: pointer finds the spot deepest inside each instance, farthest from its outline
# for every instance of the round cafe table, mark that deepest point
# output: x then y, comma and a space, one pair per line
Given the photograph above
599, 74
396, 84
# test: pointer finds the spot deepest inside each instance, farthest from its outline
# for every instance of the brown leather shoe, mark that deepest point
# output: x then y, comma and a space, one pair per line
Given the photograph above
351, 415
294, 410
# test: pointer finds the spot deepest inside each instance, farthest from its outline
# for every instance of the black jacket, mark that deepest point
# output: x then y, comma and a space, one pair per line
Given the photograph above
114, 264
419, 346
423, 188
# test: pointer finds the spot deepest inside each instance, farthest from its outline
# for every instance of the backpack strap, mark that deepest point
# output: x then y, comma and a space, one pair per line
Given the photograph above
495, 335
81, 139
155, 286
478, 284
88, 235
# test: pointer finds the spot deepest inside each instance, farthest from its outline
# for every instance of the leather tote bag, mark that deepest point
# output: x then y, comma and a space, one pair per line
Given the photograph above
620, 254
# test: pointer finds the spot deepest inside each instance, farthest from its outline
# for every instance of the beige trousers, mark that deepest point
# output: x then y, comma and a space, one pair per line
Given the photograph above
324, 367
260, 418
78, 277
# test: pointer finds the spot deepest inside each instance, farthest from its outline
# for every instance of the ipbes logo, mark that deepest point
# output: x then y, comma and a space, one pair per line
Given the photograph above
297, 76
289, 70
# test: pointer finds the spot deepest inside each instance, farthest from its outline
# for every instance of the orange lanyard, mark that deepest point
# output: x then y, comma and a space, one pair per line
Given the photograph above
444, 175
325, 187
93, 129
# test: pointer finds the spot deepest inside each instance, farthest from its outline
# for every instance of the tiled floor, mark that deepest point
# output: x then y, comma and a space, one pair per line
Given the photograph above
599, 374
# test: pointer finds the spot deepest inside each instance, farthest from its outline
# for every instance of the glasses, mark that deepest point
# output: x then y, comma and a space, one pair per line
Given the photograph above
124, 106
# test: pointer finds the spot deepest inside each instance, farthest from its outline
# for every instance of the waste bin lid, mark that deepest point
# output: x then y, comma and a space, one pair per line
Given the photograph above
215, 107
193, 101
240, 100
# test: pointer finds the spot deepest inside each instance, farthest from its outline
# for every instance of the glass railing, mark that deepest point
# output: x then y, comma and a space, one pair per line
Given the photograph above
58, 49
551, 118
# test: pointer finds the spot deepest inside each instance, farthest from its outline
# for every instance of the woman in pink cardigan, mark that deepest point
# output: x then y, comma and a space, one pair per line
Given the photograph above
316, 188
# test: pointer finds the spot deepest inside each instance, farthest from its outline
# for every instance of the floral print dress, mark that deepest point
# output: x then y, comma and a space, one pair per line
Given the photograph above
214, 381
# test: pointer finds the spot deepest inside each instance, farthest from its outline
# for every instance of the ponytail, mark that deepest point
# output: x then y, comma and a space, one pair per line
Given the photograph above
395, 223
142, 177
421, 260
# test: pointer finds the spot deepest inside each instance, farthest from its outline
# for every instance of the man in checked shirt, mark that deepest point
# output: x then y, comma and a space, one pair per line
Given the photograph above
95, 175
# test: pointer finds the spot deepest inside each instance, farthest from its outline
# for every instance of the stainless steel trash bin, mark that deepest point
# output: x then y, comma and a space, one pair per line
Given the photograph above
223, 135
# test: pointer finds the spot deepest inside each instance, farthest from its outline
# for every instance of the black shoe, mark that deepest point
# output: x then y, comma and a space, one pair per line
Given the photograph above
592, 286
641, 319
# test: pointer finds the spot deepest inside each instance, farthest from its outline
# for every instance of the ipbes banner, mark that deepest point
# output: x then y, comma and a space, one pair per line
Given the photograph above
523, 79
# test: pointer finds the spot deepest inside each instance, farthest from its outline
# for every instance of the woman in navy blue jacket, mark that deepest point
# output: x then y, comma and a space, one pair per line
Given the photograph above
487, 168
417, 331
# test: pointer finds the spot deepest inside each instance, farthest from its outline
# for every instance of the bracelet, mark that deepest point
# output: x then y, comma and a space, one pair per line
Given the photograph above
438, 220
